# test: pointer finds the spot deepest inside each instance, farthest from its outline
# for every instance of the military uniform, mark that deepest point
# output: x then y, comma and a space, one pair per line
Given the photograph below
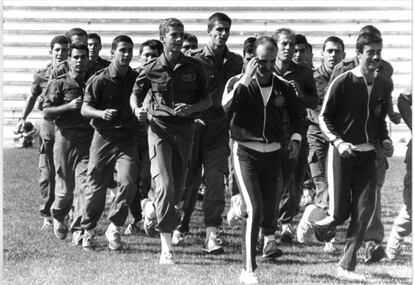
210, 149
47, 140
170, 136
294, 170
71, 149
113, 147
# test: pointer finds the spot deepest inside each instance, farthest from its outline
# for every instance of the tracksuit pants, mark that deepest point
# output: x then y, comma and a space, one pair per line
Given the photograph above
352, 183
210, 152
169, 143
255, 176
108, 152
375, 229
47, 167
71, 155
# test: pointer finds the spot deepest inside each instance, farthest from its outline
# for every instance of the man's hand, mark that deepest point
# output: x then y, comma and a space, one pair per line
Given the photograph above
395, 118
293, 149
141, 113
346, 149
20, 125
109, 114
183, 109
251, 67
388, 148
76, 103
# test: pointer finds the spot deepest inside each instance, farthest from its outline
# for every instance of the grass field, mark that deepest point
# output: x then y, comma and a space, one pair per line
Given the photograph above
33, 257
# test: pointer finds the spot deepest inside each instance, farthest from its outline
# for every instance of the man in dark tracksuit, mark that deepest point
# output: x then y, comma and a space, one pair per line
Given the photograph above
301, 78
375, 230
260, 101
63, 100
211, 139
177, 85
59, 53
113, 146
353, 119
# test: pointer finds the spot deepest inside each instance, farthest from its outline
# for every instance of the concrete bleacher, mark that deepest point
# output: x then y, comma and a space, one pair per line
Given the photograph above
28, 27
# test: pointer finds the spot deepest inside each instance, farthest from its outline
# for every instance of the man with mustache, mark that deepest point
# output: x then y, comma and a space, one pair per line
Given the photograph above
353, 119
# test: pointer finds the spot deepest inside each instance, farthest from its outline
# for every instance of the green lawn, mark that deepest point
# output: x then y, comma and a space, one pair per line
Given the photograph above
32, 257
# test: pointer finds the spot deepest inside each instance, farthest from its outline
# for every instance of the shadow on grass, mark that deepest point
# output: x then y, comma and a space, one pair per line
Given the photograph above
386, 276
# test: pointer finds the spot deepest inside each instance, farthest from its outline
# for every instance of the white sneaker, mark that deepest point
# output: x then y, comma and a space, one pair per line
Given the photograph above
166, 259
345, 274
304, 231
393, 249
60, 229
214, 245
113, 235
248, 277
133, 229
150, 217
306, 198
47, 224
177, 238
88, 240
237, 210
329, 247
77, 237
287, 235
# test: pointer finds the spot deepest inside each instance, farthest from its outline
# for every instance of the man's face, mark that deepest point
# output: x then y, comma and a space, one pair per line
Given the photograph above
300, 54
189, 45
94, 47
286, 48
147, 54
122, 55
333, 54
78, 61
173, 39
266, 55
59, 52
79, 38
220, 33
370, 57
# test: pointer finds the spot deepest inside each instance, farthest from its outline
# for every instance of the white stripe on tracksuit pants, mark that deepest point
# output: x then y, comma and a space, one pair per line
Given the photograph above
257, 177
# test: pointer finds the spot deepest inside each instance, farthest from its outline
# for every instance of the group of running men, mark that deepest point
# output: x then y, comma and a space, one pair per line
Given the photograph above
156, 132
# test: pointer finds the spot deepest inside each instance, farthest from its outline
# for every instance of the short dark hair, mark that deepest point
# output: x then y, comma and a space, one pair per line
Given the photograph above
285, 31
95, 36
365, 39
153, 44
264, 40
121, 38
334, 39
218, 16
300, 39
309, 47
169, 22
78, 46
190, 38
370, 29
248, 45
60, 39
75, 32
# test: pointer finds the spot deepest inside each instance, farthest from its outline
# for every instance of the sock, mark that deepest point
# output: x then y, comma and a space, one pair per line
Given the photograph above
210, 231
165, 242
